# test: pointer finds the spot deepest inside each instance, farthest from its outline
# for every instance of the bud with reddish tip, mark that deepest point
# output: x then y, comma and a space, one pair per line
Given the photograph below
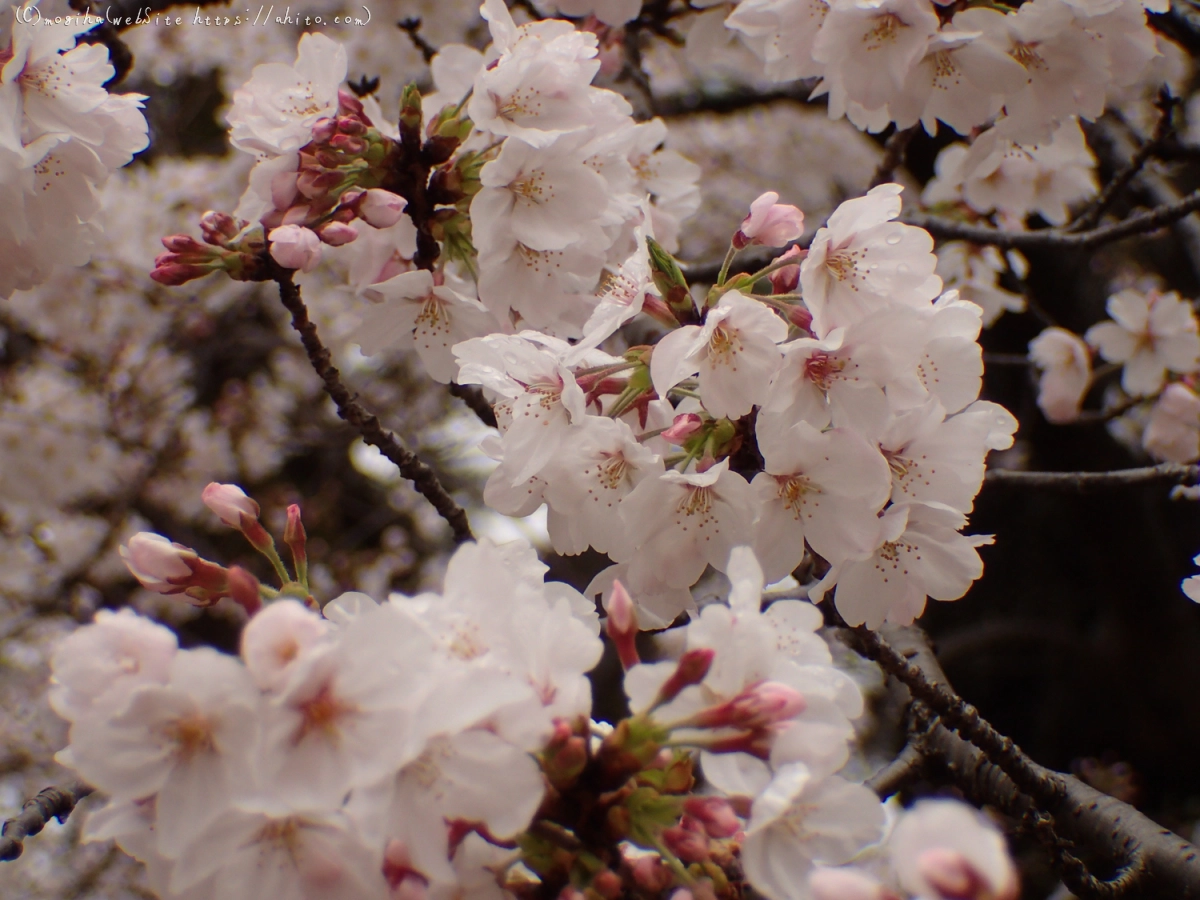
799, 316
651, 875
715, 814
787, 279
607, 884
687, 840
565, 756
684, 426
294, 247
336, 234
323, 130
621, 625
846, 884
296, 539
348, 143
219, 227
691, 669
165, 567
770, 223
952, 875
243, 588
230, 503
380, 208
757, 707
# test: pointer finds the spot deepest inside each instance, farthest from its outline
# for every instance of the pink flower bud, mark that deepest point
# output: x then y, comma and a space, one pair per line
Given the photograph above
787, 279
335, 234
174, 274
693, 666
243, 588
770, 223
348, 143
757, 707
218, 227
621, 625
380, 208
607, 884
185, 243
349, 105
160, 565
294, 247
952, 875
846, 884
684, 426
351, 125
715, 814
799, 316
230, 503
294, 535
651, 875
687, 840
324, 129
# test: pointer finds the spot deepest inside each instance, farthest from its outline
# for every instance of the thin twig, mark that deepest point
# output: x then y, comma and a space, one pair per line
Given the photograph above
412, 27
50, 803
1058, 238
473, 397
1082, 482
899, 772
1163, 130
423, 477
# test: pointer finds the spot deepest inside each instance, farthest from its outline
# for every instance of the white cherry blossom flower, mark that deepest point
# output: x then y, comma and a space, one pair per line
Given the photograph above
921, 554
273, 113
541, 197
601, 462
941, 849
823, 486
273, 849
1152, 333
187, 741
548, 288
410, 310
1065, 363
870, 48
680, 522
95, 669
800, 821
275, 640
1172, 433
782, 34
862, 262
1191, 585
841, 379
735, 352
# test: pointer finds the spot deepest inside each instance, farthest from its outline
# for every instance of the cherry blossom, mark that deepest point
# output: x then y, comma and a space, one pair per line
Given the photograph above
1065, 363
861, 262
1152, 334
274, 112
944, 849
734, 352
1172, 432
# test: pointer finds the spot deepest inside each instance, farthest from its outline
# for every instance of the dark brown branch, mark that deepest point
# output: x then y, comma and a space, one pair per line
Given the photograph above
412, 27
1081, 482
900, 771
473, 397
1137, 857
1180, 23
423, 477
674, 106
50, 803
1058, 238
1163, 131
893, 155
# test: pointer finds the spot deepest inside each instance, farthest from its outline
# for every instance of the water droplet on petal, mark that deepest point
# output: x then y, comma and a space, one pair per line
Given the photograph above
894, 238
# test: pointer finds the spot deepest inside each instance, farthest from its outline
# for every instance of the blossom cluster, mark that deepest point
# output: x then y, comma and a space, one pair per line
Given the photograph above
1154, 337
1024, 75
441, 746
61, 135
860, 393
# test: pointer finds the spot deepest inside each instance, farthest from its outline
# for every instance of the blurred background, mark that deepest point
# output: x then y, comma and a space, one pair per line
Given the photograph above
120, 399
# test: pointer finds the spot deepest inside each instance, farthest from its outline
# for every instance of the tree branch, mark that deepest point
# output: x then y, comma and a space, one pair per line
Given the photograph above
1139, 857
423, 477
893, 154
1163, 130
1058, 238
473, 397
50, 803
1082, 482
